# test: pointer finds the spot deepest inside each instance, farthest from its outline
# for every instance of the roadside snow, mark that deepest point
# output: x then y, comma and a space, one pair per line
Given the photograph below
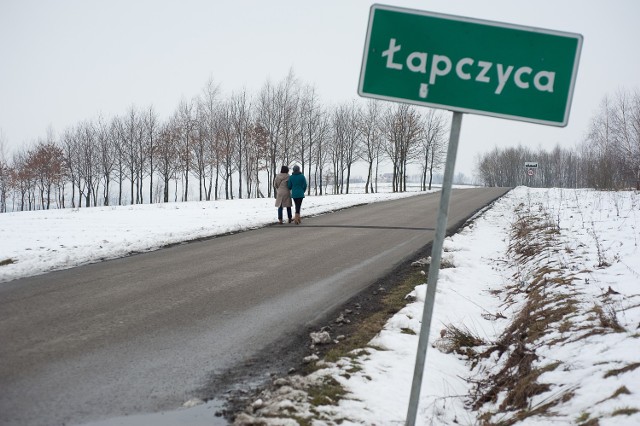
36, 242
554, 276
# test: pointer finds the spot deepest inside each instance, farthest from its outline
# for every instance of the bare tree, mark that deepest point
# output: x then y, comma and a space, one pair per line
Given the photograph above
353, 146
432, 145
314, 129
107, 157
337, 148
240, 116
270, 122
4, 174
200, 151
625, 123
288, 101
132, 145
151, 127
187, 126
402, 129
69, 147
258, 155
86, 137
117, 140
227, 147
167, 154
371, 131
21, 178
46, 162
205, 148
276, 115
346, 144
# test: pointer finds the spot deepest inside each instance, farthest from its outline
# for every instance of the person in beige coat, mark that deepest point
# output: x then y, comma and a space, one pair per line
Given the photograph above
283, 194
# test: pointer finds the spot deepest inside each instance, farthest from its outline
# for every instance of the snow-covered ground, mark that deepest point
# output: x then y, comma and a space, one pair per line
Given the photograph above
46, 240
536, 323
545, 285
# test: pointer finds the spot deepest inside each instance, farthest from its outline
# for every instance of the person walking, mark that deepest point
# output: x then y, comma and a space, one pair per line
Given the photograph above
298, 185
283, 193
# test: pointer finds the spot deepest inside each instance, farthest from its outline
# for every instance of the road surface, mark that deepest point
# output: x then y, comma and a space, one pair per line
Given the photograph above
143, 333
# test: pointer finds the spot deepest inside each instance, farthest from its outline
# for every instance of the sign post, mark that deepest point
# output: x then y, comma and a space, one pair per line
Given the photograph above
465, 65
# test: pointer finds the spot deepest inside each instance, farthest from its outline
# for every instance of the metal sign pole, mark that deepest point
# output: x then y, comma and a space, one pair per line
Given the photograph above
434, 268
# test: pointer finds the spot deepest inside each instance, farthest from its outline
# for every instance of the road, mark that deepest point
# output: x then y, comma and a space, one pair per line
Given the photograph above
142, 333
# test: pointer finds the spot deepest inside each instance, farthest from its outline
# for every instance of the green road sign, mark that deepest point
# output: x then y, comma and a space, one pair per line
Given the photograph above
469, 65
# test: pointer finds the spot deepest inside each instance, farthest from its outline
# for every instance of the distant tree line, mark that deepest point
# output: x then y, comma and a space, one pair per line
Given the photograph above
608, 158
214, 146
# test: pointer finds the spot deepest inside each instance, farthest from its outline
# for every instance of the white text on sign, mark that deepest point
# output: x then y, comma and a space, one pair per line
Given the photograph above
467, 69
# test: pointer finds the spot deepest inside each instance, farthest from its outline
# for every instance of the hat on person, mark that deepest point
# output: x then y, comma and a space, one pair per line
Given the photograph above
296, 168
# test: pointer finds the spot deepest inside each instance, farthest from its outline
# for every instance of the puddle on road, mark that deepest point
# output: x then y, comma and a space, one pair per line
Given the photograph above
201, 415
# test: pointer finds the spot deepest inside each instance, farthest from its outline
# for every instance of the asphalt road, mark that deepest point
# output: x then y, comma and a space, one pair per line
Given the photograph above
140, 334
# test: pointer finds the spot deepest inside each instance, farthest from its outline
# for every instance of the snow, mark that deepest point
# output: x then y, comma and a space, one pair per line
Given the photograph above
587, 243
42, 241
582, 255
595, 228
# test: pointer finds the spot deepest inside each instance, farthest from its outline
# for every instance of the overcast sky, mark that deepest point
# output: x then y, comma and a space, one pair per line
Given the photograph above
65, 61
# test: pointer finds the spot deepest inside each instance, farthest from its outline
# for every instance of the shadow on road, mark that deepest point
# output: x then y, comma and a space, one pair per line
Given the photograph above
362, 227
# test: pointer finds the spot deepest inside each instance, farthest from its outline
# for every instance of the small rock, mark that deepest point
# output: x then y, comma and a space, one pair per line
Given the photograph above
281, 382
258, 403
342, 320
322, 363
341, 337
421, 262
310, 358
193, 402
320, 338
291, 371
348, 311
245, 419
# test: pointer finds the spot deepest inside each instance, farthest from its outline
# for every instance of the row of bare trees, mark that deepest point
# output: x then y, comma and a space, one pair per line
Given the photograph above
214, 146
608, 158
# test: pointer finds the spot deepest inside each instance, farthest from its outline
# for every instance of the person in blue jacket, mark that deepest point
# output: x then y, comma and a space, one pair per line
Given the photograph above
298, 185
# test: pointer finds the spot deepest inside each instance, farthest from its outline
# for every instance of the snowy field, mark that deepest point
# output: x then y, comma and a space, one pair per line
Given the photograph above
47, 240
536, 323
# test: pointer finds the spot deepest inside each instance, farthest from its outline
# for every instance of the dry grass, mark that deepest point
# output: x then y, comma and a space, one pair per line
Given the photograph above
630, 367
544, 311
6, 262
394, 300
459, 340
328, 392
608, 318
626, 411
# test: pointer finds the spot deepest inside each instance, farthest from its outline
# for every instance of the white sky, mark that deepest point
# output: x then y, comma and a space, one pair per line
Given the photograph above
66, 61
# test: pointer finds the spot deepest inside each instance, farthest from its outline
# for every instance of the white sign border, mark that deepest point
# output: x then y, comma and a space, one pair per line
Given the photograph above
574, 74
